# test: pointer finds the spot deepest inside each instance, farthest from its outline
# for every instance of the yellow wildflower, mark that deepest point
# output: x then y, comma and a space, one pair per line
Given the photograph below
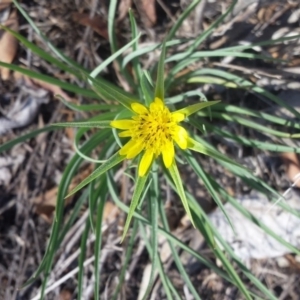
152, 130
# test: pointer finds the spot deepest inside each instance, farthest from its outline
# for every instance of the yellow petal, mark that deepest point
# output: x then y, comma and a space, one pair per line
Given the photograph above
145, 162
122, 124
168, 154
190, 142
139, 108
135, 150
181, 137
126, 133
156, 105
178, 117
126, 148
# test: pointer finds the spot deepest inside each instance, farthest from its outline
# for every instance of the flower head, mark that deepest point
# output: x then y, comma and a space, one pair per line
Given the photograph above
152, 130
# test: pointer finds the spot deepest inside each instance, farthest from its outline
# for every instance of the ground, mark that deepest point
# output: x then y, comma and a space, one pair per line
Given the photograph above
30, 172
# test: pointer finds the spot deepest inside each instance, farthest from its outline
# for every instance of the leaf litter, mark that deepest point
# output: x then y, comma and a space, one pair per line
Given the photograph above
31, 165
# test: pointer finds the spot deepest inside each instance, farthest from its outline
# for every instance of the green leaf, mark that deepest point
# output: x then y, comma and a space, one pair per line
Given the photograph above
191, 109
181, 19
203, 149
86, 124
111, 58
159, 90
180, 190
139, 187
146, 89
111, 162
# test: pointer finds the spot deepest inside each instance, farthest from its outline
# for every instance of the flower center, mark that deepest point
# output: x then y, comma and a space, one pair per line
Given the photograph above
153, 129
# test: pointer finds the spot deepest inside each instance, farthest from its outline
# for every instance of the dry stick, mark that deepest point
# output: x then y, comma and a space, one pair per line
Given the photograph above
65, 278
199, 13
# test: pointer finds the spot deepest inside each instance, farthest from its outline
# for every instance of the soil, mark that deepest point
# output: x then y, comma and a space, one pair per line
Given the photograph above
33, 168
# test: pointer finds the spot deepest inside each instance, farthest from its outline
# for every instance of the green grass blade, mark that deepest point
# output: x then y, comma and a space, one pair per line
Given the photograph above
153, 206
81, 259
8, 145
85, 124
181, 19
167, 284
128, 255
139, 187
49, 79
191, 109
46, 41
159, 89
110, 163
135, 62
243, 268
88, 107
175, 255
180, 190
97, 246
208, 184
41, 53
147, 89
112, 57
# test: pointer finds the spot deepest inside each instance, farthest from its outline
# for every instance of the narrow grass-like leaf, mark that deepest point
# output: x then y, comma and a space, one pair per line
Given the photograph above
139, 187
135, 62
46, 41
191, 109
8, 145
251, 217
153, 205
41, 53
204, 149
109, 93
49, 79
167, 234
175, 255
181, 19
159, 88
97, 245
230, 109
196, 207
112, 57
183, 96
110, 163
252, 143
94, 194
167, 284
201, 174
180, 190
243, 83
206, 230
222, 53
204, 35
88, 107
126, 261
81, 259
113, 41
146, 89
253, 124
144, 50
85, 124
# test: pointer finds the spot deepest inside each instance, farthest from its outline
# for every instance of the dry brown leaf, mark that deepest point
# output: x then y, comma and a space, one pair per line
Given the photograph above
292, 165
3, 6
111, 212
46, 202
65, 295
123, 9
8, 44
96, 23
147, 11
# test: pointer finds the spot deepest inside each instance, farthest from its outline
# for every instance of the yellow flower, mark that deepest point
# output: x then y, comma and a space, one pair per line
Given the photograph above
152, 130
